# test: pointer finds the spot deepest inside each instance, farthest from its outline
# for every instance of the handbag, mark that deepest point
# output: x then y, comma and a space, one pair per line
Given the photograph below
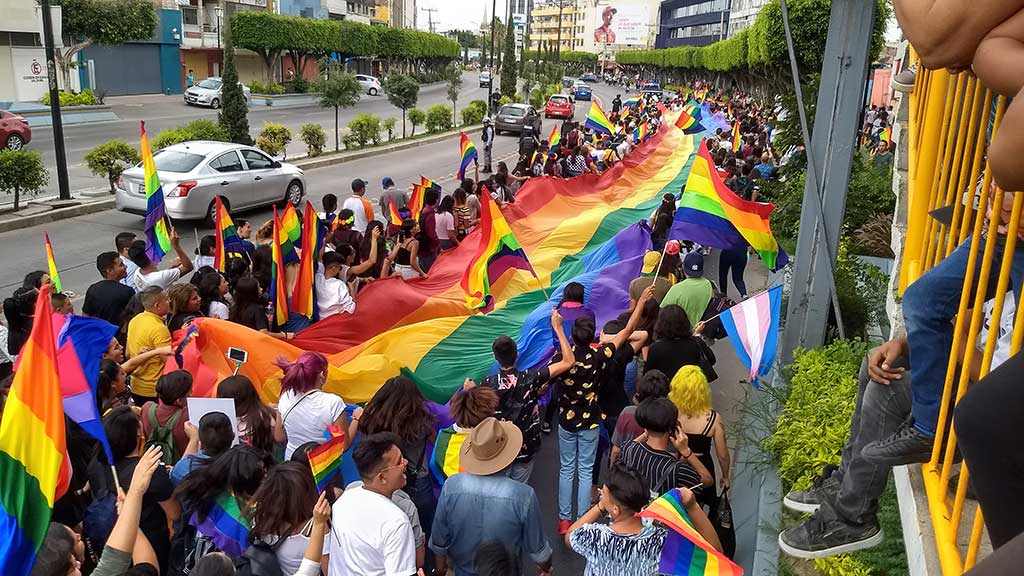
707, 360
722, 522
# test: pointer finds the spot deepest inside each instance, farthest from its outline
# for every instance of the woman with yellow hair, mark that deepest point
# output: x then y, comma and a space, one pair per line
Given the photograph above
691, 393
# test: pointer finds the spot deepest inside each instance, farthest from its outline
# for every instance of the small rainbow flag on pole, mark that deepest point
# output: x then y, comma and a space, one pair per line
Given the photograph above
278, 287
468, 153
291, 227
428, 183
597, 120
737, 138
158, 228
51, 264
394, 214
304, 295
416, 201
631, 101
686, 552
883, 136
556, 137
325, 460
497, 252
689, 123
228, 241
640, 134
34, 462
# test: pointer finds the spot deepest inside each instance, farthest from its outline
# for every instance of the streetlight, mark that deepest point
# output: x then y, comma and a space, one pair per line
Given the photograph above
219, 12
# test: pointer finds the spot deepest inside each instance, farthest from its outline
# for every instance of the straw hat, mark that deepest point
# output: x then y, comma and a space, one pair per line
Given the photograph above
491, 447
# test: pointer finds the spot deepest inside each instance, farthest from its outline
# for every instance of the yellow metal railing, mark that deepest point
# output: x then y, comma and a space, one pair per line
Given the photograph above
952, 120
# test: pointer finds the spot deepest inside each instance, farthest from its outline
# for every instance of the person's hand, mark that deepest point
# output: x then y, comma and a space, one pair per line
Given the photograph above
681, 442
881, 360
686, 495
556, 319
357, 413
144, 470
175, 239
647, 294
375, 233
191, 431
322, 511
468, 384
699, 329
143, 350
725, 482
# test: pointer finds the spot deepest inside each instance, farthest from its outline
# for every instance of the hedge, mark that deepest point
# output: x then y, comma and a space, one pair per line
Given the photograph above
763, 45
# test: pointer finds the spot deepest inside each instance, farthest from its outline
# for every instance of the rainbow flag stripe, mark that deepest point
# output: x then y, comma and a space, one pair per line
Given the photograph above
556, 137
631, 101
712, 214
394, 214
325, 460
158, 229
228, 243
304, 294
597, 120
445, 460
51, 264
278, 282
640, 134
428, 183
686, 552
225, 525
737, 138
467, 153
291, 227
34, 463
884, 136
498, 252
689, 123
416, 200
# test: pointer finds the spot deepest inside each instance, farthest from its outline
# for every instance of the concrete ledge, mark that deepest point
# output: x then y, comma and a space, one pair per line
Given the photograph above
307, 163
284, 100
39, 115
80, 208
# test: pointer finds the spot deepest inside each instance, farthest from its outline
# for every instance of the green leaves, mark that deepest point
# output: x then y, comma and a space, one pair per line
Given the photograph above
274, 138
22, 171
313, 136
341, 90
402, 91
439, 118
110, 159
194, 130
108, 21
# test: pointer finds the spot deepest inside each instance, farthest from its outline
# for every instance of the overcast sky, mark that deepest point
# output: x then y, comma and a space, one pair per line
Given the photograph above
456, 14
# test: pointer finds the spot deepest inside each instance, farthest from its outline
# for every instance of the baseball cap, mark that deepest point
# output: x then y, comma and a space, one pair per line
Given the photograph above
358, 184
651, 260
387, 182
693, 265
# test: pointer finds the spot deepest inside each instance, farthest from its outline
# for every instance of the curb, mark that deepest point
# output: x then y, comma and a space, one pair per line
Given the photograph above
55, 215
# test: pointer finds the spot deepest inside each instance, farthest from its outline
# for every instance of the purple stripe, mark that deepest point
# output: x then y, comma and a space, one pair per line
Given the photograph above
706, 229
229, 535
505, 260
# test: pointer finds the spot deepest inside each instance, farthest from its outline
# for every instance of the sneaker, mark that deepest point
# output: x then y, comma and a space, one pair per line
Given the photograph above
808, 501
905, 446
904, 81
563, 527
486, 170
823, 535
545, 427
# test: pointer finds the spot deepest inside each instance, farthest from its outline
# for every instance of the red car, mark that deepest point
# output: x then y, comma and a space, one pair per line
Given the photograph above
14, 131
560, 106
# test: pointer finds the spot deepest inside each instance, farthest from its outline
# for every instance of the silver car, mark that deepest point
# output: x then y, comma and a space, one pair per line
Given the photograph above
208, 93
512, 118
370, 84
193, 174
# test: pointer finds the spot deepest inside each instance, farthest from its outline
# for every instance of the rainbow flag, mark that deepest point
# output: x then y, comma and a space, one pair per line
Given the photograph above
394, 214
686, 552
224, 525
427, 183
304, 294
227, 240
34, 463
556, 137
737, 138
291, 227
883, 136
325, 460
640, 134
468, 153
445, 460
158, 227
631, 101
597, 120
689, 123
497, 252
713, 215
416, 201
278, 282
51, 264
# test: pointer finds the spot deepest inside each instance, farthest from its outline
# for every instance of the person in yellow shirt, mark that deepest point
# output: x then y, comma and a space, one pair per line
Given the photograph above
147, 331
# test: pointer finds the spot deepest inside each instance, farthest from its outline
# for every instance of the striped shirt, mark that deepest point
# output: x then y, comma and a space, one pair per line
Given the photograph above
660, 469
609, 553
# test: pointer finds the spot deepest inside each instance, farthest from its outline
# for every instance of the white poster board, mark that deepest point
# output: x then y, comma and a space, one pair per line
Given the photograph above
621, 22
199, 407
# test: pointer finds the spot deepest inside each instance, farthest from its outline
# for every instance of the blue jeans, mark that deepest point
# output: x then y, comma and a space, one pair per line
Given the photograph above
929, 305
577, 452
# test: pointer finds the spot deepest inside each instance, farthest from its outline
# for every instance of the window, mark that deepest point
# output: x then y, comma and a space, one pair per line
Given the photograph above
227, 163
172, 161
189, 16
257, 161
697, 31
701, 8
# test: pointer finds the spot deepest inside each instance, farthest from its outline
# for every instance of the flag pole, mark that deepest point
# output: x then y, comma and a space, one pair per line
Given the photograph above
117, 483
738, 303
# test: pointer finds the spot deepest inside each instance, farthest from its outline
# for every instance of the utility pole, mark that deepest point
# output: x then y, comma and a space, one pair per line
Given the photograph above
430, 17
490, 83
558, 43
58, 123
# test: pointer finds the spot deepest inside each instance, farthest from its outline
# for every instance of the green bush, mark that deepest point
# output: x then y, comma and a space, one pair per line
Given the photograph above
439, 118
22, 171
297, 85
194, 130
271, 87
389, 125
110, 159
365, 129
474, 113
274, 138
314, 137
417, 117
84, 98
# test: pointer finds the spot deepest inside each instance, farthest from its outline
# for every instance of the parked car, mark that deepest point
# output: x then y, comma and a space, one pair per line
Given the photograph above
208, 93
369, 83
559, 106
582, 92
193, 174
14, 131
568, 81
485, 79
590, 78
512, 118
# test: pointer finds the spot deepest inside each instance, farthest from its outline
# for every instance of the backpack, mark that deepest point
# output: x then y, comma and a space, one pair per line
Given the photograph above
259, 559
713, 327
187, 547
163, 436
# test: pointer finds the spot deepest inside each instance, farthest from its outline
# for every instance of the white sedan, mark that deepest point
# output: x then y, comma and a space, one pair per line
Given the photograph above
370, 84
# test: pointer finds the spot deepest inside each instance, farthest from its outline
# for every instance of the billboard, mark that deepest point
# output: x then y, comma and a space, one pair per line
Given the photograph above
621, 22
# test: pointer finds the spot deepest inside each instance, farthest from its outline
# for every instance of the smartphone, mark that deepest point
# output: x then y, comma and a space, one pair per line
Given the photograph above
238, 355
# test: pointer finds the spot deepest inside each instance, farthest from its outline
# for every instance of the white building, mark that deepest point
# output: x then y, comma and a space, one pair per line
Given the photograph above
22, 58
742, 14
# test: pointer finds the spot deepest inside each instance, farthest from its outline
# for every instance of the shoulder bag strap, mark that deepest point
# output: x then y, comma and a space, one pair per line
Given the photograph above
297, 402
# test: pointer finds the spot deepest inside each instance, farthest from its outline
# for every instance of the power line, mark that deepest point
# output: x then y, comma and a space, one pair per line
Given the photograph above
430, 17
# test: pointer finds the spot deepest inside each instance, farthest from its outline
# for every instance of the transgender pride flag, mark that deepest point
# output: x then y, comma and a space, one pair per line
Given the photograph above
753, 328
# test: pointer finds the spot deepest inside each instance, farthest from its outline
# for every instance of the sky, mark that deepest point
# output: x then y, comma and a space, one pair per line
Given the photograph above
456, 14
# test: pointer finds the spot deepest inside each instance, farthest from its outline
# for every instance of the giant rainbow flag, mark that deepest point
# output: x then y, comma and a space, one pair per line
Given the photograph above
586, 229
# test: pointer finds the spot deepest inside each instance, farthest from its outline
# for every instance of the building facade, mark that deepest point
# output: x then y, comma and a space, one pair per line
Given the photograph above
546, 19
23, 75
742, 15
692, 23
403, 13
203, 38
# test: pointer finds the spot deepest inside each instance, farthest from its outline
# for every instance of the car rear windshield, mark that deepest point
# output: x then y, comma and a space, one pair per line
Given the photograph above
559, 99
210, 83
172, 161
511, 111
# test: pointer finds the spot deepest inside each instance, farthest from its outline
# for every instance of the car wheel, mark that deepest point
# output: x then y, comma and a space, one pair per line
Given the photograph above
293, 195
215, 103
14, 142
372, 91
211, 212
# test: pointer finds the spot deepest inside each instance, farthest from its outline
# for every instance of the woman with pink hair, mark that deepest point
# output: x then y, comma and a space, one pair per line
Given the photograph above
305, 409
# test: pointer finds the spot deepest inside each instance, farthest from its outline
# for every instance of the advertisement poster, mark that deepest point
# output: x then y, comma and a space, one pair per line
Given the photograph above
622, 22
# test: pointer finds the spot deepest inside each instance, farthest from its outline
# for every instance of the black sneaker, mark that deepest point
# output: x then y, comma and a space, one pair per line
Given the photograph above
808, 501
545, 427
905, 446
823, 535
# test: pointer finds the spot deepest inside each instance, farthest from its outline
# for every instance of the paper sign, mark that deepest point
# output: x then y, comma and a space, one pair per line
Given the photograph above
199, 407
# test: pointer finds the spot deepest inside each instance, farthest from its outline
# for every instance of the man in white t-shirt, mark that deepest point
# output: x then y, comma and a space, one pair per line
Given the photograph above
370, 535
332, 293
149, 275
360, 206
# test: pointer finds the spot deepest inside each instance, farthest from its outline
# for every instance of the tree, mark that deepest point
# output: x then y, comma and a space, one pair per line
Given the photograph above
403, 92
110, 159
416, 117
509, 70
466, 38
439, 118
453, 74
234, 114
22, 171
341, 90
109, 22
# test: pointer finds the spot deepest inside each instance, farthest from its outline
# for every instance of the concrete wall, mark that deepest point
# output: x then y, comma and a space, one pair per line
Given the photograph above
6, 71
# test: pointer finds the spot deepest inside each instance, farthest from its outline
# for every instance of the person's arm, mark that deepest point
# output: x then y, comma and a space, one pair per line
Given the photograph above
682, 445
280, 437
722, 450
440, 534
143, 552
185, 265
620, 338
311, 560
946, 33
699, 518
122, 537
414, 262
591, 517
568, 358
193, 440
134, 362
342, 422
534, 541
371, 259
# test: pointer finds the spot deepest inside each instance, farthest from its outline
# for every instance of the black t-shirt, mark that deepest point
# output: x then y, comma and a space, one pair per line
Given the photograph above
613, 389
579, 388
107, 300
254, 316
153, 521
518, 391
179, 320
671, 355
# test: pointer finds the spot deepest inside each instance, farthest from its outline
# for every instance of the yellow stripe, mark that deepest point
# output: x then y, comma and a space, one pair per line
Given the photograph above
451, 455
23, 437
